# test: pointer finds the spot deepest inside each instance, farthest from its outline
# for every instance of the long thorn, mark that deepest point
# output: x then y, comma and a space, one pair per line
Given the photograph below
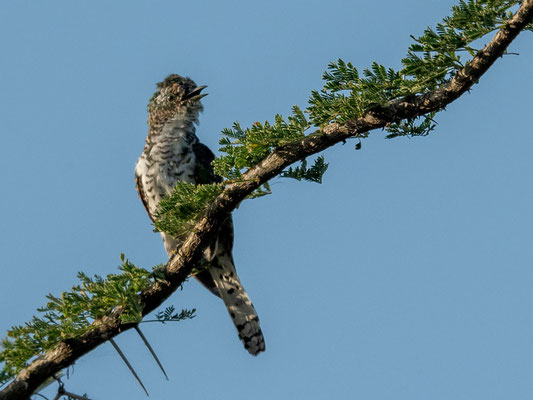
121, 354
151, 350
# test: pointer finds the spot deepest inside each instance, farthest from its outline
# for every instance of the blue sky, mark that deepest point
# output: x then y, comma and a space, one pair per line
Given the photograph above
405, 275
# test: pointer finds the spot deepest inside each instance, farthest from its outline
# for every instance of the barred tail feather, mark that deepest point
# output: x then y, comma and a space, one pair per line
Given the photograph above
239, 305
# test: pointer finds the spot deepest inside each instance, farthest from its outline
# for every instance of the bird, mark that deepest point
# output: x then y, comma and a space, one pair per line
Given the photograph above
173, 153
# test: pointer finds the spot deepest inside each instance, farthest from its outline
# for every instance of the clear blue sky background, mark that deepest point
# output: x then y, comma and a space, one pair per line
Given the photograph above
406, 275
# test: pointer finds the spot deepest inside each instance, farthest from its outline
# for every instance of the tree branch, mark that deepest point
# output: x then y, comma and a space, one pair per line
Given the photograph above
179, 267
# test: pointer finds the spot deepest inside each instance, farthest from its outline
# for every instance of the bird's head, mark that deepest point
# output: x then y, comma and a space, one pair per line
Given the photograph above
176, 97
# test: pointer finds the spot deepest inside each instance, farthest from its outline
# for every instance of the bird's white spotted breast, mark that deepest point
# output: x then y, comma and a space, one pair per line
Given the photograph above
166, 159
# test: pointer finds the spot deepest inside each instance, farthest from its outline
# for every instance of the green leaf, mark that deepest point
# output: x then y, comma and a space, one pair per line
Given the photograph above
313, 174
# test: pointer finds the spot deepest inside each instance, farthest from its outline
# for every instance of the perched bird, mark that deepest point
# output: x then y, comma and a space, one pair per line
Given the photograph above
173, 153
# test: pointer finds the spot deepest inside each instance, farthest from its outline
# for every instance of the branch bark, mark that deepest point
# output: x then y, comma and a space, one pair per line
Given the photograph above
179, 267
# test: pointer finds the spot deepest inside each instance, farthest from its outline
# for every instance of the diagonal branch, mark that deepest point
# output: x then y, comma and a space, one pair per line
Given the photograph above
179, 267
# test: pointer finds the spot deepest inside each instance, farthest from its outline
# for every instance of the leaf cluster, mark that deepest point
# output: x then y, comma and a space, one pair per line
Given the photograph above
313, 174
431, 61
244, 148
420, 126
170, 315
178, 211
347, 95
71, 314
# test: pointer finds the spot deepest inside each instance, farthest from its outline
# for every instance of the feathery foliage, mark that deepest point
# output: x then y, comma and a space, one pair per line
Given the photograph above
431, 61
313, 174
170, 315
178, 211
72, 314
245, 148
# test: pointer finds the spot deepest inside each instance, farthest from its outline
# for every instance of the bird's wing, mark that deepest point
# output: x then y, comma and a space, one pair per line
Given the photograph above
204, 174
142, 194
203, 171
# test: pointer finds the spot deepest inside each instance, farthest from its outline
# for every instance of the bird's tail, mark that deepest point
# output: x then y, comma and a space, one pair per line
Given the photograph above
239, 305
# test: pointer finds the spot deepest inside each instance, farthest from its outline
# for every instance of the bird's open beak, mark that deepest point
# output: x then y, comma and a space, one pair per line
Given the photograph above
195, 94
